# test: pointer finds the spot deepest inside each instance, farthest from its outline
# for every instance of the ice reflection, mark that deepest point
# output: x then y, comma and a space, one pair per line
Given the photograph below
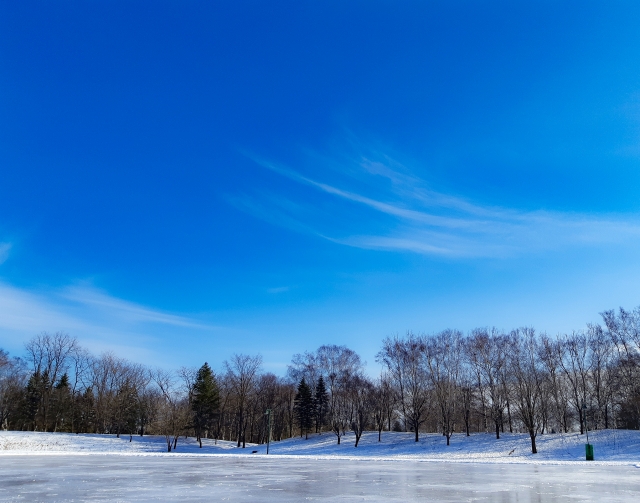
133, 478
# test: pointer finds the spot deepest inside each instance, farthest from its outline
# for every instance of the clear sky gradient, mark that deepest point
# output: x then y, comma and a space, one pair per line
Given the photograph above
180, 181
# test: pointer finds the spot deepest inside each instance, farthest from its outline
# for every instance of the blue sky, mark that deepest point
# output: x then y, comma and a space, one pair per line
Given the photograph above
180, 181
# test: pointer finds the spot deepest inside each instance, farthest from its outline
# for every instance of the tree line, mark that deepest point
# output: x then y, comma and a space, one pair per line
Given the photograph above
448, 382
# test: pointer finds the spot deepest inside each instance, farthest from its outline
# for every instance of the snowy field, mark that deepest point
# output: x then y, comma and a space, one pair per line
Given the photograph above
57, 467
611, 447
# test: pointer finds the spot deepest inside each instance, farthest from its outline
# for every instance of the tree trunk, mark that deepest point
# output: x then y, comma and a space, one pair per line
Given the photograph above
533, 442
240, 428
497, 430
417, 438
484, 415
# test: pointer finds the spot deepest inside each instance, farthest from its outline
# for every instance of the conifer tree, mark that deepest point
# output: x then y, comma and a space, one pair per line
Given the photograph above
125, 409
87, 412
63, 382
304, 408
33, 399
321, 400
60, 404
205, 401
37, 392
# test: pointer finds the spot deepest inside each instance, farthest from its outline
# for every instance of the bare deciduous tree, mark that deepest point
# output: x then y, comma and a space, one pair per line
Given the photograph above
404, 359
382, 403
444, 356
243, 372
528, 375
48, 356
360, 392
487, 354
173, 413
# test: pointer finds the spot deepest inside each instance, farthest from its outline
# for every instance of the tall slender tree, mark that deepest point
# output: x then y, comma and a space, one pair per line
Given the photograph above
321, 401
60, 404
528, 373
243, 372
205, 401
304, 408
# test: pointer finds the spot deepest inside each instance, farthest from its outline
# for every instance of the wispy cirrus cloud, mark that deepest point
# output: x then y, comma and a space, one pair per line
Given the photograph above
407, 216
5, 248
101, 321
125, 311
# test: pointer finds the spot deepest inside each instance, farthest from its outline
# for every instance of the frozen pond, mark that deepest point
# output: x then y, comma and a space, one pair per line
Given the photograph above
150, 478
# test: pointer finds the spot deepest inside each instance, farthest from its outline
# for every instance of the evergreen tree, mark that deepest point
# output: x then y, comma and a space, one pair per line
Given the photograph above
205, 401
125, 409
304, 408
63, 383
60, 404
87, 412
321, 400
32, 400
34, 407
45, 397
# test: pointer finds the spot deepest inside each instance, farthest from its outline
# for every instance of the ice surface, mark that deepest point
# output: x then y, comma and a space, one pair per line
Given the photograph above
97, 477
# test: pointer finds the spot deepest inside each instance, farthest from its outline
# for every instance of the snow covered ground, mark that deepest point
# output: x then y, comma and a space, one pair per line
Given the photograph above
611, 447
57, 467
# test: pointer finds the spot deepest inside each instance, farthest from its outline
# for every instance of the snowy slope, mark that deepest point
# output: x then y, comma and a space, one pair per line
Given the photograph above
22, 442
611, 447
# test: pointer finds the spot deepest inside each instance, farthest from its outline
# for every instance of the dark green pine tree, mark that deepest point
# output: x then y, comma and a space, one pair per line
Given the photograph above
37, 392
304, 407
32, 400
63, 382
125, 419
87, 413
321, 400
205, 401
60, 404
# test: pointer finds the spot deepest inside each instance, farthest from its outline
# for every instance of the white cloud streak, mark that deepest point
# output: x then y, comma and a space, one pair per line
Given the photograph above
5, 248
432, 223
125, 311
101, 322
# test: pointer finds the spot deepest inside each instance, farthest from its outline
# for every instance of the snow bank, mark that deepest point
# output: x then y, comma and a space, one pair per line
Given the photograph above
611, 447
